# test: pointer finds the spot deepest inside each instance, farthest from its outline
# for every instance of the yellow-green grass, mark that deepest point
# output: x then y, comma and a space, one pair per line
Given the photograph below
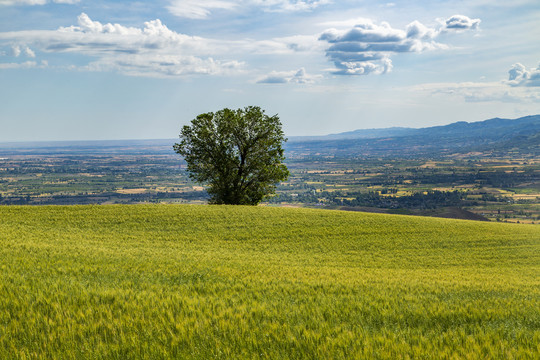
168, 281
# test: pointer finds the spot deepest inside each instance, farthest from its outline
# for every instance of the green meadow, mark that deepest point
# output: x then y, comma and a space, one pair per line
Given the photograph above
231, 282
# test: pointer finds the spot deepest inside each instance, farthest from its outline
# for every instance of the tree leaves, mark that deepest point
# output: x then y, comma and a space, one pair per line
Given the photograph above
237, 153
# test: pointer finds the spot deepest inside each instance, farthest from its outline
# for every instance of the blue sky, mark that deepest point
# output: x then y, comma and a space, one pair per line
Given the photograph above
82, 70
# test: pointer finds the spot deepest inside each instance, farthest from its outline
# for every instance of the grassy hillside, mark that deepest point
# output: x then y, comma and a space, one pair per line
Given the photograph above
159, 281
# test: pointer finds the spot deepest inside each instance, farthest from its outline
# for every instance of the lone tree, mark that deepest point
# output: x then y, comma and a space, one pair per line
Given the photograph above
237, 153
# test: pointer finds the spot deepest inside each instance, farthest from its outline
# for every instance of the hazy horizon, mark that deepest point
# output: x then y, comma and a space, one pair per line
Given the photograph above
172, 139
75, 70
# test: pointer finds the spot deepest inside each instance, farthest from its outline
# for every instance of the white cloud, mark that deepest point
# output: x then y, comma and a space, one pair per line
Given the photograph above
23, 2
519, 75
28, 52
416, 30
164, 65
36, 2
199, 9
480, 92
460, 23
283, 45
16, 51
27, 64
520, 88
153, 50
24, 65
289, 5
288, 77
363, 67
366, 47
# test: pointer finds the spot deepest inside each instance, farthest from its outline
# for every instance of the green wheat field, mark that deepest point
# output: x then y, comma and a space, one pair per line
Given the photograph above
232, 282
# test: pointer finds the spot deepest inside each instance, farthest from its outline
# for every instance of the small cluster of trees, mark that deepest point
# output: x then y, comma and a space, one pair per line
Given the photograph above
419, 200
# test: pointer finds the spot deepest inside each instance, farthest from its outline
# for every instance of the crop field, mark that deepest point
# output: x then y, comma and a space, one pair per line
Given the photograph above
203, 282
502, 188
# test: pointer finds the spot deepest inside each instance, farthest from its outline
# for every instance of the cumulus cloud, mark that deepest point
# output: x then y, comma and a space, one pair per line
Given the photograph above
366, 47
29, 52
417, 30
288, 77
17, 50
196, 9
519, 75
153, 50
363, 67
461, 22
36, 2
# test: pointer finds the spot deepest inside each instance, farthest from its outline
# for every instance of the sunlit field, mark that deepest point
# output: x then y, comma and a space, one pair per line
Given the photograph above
169, 281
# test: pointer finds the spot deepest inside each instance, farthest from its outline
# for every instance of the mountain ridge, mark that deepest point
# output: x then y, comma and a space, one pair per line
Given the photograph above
396, 131
493, 135
496, 135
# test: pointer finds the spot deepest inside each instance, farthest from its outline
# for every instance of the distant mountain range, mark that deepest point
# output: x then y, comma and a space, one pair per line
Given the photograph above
494, 136
359, 134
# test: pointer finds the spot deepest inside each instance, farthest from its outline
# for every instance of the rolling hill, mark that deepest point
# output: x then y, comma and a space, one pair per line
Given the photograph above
202, 282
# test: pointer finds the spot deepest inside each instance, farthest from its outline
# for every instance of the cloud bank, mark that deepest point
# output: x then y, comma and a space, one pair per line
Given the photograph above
153, 50
367, 47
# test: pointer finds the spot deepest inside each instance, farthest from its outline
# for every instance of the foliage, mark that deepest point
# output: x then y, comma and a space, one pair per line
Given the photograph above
202, 282
238, 153
418, 200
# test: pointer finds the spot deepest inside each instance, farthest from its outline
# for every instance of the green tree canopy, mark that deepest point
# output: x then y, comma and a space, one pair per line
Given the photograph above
238, 154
